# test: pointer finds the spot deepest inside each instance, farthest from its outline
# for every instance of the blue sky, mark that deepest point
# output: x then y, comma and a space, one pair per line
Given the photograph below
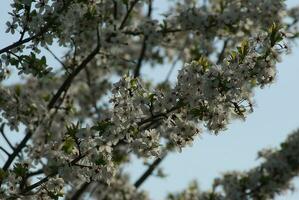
275, 116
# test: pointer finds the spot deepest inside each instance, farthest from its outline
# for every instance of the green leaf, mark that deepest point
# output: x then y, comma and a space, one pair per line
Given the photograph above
14, 62
100, 161
119, 158
199, 112
126, 2
20, 169
243, 49
134, 83
43, 61
204, 62
233, 55
73, 129
275, 35
18, 90
3, 175
151, 97
68, 145
102, 126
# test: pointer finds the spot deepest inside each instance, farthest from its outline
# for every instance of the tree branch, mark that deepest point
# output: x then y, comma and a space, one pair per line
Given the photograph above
221, 54
56, 58
144, 45
4, 150
17, 151
4, 136
80, 191
141, 57
20, 42
123, 23
149, 171
66, 84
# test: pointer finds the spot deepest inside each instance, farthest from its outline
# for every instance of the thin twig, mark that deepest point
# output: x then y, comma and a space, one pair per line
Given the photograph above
56, 58
34, 173
18, 43
4, 136
4, 150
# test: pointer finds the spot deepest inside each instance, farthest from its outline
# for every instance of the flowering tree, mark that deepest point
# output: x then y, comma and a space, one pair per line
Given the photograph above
80, 128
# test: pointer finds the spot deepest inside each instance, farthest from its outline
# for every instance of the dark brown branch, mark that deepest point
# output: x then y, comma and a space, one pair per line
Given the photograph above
66, 84
93, 97
221, 54
149, 171
34, 173
144, 45
123, 23
31, 187
56, 58
17, 151
20, 42
159, 115
5, 138
80, 191
4, 150
141, 57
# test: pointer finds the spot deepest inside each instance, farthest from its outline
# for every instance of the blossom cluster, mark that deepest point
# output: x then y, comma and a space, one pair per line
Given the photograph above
80, 128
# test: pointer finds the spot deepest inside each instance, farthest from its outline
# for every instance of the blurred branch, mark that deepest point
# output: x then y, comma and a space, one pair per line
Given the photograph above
144, 44
80, 191
149, 171
67, 83
221, 54
4, 136
122, 24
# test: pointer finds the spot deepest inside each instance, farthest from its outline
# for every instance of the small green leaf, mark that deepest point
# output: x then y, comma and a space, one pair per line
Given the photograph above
18, 90
73, 129
3, 175
204, 62
243, 49
68, 145
102, 126
20, 169
134, 83
198, 112
100, 161
275, 35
